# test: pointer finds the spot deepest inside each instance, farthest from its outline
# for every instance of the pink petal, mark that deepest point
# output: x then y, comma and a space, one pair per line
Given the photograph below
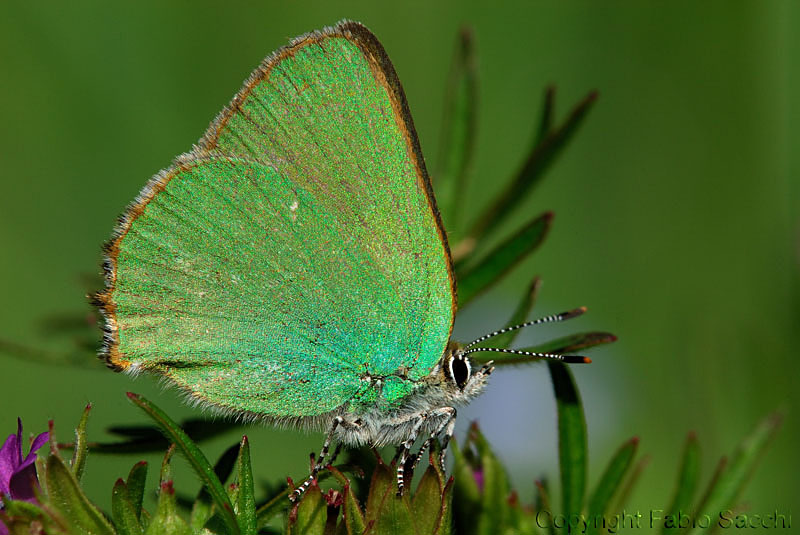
19, 440
38, 442
8, 464
22, 484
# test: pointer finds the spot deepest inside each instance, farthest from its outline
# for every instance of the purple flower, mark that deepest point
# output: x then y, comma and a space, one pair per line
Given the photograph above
17, 474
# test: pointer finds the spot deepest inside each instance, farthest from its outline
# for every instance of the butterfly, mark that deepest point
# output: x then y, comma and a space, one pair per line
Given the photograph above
293, 267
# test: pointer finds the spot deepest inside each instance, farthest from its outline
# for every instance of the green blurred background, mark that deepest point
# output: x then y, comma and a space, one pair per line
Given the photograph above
676, 205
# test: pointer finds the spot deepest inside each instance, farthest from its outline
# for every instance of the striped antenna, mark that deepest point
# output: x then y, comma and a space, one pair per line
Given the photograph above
569, 359
548, 319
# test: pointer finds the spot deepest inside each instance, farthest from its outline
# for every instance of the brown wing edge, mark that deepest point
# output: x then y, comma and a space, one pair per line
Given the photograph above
385, 73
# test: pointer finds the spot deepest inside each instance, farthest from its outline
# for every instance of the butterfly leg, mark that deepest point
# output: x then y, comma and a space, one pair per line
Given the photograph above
448, 413
320, 464
449, 422
449, 427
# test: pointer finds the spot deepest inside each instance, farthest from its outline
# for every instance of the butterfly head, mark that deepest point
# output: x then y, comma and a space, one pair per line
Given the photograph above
459, 377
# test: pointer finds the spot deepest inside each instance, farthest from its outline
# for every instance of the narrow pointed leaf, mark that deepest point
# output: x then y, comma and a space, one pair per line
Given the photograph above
722, 464
567, 344
496, 488
538, 161
427, 502
575, 342
386, 512
466, 493
20, 507
610, 482
311, 514
548, 111
125, 515
79, 452
353, 517
474, 280
278, 504
458, 130
246, 510
520, 314
66, 496
135, 483
446, 523
166, 520
571, 438
687, 479
621, 501
203, 506
732, 479
19, 516
519, 520
543, 502
196, 459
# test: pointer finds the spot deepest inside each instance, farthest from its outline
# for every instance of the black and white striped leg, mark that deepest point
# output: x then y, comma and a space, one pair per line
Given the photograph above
447, 414
448, 434
449, 418
405, 448
320, 464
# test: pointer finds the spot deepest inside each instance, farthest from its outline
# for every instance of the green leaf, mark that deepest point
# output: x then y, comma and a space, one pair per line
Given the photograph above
246, 503
472, 281
712, 483
203, 507
539, 159
166, 520
571, 438
566, 344
66, 496
496, 489
353, 516
574, 342
196, 459
610, 482
482, 489
548, 111
123, 511
687, 479
446, 523
466, 493
458, 130
621, 500
20, 517
310, 515
519, 519
543, 502
135, 484
278, 504
427, 501
79, 452
386, 512
520, 314
724, 492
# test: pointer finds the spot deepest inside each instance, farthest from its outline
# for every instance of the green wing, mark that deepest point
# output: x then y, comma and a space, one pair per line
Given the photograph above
295, 250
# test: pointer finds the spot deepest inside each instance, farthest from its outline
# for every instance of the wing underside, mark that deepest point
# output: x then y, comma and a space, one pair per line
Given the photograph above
295, 250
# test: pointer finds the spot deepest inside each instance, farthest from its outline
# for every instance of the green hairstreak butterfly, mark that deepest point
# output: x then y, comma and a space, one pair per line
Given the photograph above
292, 267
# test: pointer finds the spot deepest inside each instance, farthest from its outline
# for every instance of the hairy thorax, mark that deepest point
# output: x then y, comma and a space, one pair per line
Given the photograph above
429, 403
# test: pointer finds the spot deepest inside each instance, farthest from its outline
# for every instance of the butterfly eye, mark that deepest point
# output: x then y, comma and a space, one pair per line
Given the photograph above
460, 370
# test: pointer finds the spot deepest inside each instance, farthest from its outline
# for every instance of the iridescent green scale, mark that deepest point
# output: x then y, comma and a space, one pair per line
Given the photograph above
296, 253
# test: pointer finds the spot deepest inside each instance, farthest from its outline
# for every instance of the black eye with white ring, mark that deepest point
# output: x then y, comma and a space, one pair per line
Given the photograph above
460, 370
